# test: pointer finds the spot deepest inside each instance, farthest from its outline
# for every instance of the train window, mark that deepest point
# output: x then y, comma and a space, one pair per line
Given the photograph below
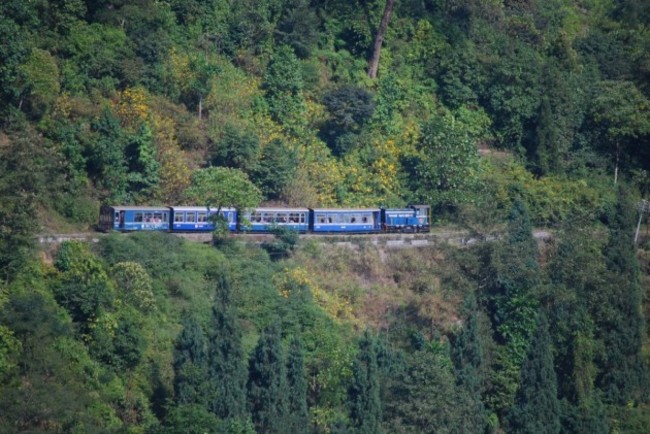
297, 217
178, 217
364, 218
320, 218
257, 218
138, 218
267, 217
191, 217
148, 217
281, 218
158, 217
203, 217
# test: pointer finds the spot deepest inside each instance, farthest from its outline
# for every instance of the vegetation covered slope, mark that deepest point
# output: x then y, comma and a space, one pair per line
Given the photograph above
500, 114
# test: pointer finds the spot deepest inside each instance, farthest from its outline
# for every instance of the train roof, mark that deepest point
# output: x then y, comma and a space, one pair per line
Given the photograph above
139, 208
345, 209
279, 210
200, 208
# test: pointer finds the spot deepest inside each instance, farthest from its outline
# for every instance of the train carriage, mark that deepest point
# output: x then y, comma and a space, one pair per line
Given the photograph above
266, 219
200, 218
340, 220
134, 218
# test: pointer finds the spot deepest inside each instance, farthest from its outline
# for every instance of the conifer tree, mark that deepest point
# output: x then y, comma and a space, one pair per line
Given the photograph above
191, 364
512, 280
469, 359
517, 275
267, 384
363, 394
226, 357
618, 314
576, 272
297, 383
537, 408
467, 351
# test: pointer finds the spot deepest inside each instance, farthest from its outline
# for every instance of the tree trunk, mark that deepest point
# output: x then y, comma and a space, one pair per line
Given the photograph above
373, 65
618, 153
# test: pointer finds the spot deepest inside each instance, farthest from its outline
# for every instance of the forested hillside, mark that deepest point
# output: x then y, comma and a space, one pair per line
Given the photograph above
503, 115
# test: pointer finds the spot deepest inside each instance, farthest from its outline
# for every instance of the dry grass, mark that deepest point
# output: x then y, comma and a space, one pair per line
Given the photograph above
383, 286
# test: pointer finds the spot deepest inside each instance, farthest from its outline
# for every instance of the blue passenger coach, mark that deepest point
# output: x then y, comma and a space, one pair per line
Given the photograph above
352, 220
265, 219
134, 218
198, 218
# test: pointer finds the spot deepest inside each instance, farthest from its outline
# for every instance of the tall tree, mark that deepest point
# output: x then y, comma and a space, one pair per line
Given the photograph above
468, 355
297, 384
537, 408
373, 64
283, 84
226, 357
425, 398
618, 315
624, 113
267, 384
448, 163
363, 394
512, 281
517, 276
191, 364
106, 162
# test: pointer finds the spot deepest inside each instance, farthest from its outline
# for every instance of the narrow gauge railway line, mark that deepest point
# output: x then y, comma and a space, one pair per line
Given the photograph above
390, 240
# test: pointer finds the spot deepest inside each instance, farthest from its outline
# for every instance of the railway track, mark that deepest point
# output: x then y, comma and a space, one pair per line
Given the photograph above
392, 240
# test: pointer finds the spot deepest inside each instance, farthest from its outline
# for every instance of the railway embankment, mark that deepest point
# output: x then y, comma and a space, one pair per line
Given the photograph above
456, 237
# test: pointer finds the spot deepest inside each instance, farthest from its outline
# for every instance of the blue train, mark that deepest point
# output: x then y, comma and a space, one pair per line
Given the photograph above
414, 218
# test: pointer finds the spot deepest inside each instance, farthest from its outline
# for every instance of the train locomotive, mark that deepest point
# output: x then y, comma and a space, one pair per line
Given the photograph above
125, 218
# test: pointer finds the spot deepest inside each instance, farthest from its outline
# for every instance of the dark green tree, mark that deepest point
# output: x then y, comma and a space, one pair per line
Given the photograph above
191, 381
297, 386
83, 287
106, 163
298, 27
226, 357
275, 169
190, 419
237, 149
43, 391
537, 408
448, 162
363, 393
268, 388
517, 277
425, 398
468, 355
619, 320
350, 108
283, 85
512, 281
576, 272
142, 165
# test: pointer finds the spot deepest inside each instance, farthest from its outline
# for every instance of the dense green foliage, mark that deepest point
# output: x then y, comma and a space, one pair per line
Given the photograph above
502, 115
